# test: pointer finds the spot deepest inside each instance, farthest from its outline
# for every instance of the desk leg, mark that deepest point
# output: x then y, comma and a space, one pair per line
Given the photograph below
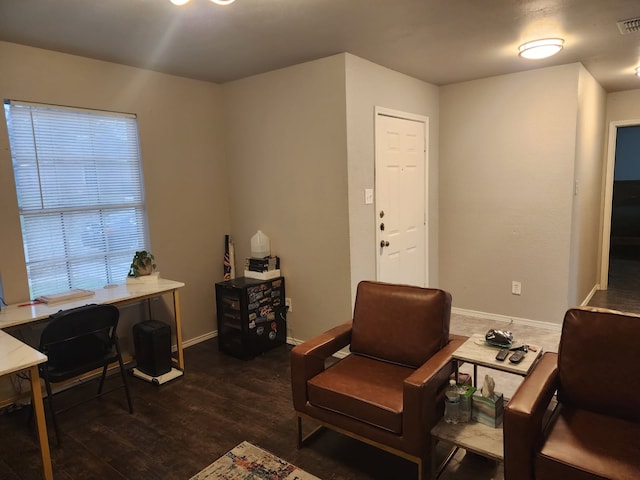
176, 311
38, 408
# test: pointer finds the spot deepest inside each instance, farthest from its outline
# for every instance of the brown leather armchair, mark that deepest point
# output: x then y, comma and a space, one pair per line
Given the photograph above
594, 431
389, 390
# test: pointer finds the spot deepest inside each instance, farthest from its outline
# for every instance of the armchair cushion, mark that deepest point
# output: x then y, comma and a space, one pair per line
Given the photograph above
363, 389
400, 323
583, 445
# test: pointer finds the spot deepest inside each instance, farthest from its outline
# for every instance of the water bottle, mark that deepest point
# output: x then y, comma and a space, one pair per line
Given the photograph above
452, 403
465, 404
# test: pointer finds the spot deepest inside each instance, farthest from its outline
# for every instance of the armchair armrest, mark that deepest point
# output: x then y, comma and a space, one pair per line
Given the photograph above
308, 359
424, 390
524, 415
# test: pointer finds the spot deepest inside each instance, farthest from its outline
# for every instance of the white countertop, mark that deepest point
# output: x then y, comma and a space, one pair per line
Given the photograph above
14, 315
15, 355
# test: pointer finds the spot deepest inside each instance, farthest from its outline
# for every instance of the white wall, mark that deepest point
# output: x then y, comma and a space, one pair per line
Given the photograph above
369, 85
181, 139
507, 159
286, 137
586, 223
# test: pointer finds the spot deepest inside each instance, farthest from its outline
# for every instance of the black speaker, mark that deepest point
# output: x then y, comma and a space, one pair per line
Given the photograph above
152, 342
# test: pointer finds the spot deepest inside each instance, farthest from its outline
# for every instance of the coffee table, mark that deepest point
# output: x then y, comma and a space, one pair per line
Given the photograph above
474, 436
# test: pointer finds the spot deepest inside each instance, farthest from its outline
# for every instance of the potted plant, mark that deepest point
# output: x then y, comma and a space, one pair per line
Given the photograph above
143, 263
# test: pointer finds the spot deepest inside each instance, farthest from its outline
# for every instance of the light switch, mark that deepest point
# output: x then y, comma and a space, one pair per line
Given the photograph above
368, 196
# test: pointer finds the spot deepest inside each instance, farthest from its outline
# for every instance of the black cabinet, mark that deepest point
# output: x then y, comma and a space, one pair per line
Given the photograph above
251, 316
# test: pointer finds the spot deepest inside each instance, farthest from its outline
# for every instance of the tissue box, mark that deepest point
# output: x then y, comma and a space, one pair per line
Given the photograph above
488, 410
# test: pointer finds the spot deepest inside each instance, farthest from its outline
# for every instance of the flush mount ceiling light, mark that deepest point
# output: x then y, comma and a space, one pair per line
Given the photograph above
541, 48
217, 2
638, 71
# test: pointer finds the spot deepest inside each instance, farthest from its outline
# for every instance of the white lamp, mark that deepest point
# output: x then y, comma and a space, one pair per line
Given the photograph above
541, 48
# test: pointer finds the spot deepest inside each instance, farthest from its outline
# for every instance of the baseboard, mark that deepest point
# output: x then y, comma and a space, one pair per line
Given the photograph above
199, 339
593, 291
506, 319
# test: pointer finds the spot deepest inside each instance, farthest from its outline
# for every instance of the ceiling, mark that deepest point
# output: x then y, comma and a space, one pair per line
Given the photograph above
438, 41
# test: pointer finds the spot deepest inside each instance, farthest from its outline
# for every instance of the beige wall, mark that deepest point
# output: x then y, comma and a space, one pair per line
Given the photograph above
287, 153
291, 152
181, 139
369, 85
586, 219
507, 156
622, 106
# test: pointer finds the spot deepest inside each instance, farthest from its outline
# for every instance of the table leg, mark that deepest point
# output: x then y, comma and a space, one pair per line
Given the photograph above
38, 409
456, 366
176, 311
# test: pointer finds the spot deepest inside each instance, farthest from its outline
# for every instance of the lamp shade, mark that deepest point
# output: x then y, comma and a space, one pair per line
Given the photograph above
541, 48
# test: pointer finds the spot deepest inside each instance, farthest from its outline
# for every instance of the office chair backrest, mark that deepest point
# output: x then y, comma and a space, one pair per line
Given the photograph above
79, 336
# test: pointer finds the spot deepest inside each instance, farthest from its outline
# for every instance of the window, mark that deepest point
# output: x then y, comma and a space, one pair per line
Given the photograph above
80, 194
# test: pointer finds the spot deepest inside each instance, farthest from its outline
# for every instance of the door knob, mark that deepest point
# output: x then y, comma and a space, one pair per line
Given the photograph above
383, 244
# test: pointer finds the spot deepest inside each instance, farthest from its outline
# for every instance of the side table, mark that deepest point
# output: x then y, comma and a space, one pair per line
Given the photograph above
474, 436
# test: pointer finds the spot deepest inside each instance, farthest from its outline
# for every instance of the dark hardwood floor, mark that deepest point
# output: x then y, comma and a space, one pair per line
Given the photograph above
623, 291
180, 427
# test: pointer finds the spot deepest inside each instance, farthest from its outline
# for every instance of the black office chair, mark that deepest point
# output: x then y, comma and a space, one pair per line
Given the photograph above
78, 341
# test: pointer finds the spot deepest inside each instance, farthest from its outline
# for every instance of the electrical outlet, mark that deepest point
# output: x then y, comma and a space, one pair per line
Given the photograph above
516, 288
289, 303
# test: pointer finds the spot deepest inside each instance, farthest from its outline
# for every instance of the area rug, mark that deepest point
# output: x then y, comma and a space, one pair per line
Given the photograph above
248, 462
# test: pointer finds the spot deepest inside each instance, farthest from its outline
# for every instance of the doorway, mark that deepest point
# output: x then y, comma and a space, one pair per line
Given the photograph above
620, 269
401, 197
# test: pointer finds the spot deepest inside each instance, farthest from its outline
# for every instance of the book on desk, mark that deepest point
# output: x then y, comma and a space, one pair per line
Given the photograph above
67, 296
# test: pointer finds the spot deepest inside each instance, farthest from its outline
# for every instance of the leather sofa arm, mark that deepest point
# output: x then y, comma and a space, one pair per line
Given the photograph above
308, 359
422, 391
442, 359
524, 416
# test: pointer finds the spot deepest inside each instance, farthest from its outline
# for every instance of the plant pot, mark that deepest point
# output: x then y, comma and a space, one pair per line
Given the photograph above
151, 278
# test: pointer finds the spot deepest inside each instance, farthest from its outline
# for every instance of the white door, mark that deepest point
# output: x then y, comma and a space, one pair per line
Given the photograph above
401, 197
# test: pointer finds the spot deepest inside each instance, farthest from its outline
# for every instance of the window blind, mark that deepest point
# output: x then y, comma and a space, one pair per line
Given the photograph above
78, 178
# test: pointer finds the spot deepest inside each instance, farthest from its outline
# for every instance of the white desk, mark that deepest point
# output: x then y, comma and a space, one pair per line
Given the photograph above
14, 357
15, 315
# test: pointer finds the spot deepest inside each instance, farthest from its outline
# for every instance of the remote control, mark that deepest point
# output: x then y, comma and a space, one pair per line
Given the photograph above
502, 354
517, 357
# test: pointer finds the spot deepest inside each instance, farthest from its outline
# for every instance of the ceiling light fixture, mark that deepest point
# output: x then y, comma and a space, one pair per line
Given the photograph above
217, 2
638, 71
541, 48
